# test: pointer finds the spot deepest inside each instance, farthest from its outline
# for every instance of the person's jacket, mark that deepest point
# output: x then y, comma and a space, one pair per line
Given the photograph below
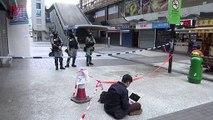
57, 44
90, 41
73, 44
117, 98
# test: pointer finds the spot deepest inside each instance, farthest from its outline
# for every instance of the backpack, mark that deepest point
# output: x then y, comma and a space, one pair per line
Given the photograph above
102, 97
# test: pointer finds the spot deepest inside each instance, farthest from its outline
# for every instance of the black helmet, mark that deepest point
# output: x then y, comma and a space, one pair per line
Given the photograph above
72, 35
55, 35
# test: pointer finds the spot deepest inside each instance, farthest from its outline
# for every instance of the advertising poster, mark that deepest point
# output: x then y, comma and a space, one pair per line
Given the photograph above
133, 7
174, 11
149, 6
20, 18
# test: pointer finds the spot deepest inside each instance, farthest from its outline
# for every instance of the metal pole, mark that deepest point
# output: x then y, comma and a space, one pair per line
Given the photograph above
108, 42
171, 51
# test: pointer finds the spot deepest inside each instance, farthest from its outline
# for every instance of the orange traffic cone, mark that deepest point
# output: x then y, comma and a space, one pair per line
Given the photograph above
81, 79
81, 95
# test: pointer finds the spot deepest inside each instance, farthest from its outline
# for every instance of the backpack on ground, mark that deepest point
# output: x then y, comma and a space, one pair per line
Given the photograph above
102, 97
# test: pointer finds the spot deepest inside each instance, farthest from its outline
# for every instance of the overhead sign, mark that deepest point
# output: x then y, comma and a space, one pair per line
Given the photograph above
144, 26
160, 25
187, 23
174, 11
201, 23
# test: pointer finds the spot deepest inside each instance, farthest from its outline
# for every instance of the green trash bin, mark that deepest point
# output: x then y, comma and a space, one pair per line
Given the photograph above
195, 72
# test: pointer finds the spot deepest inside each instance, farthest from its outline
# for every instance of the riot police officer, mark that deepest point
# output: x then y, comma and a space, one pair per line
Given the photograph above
72, 48
57, 51
89, 48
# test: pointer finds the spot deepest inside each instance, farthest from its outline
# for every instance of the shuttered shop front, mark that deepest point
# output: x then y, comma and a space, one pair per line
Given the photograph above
114, 38
146, 38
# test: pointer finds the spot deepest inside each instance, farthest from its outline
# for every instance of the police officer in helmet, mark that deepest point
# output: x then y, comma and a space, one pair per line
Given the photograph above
57, 50
72, 48
89, 48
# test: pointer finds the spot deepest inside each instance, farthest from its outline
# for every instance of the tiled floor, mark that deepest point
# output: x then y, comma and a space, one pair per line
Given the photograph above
201, 112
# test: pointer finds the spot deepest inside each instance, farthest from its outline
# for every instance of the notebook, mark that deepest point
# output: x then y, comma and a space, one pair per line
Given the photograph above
134, 97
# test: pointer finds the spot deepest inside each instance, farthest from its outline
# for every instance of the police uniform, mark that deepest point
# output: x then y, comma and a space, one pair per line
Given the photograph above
72, 48
89, 48
57, 51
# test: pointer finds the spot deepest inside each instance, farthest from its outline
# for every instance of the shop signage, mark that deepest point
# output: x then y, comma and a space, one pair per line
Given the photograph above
174, 11
201, 31
122, 27
20, 18
187, 23
14, 11
144, 26
160, 25
204, 23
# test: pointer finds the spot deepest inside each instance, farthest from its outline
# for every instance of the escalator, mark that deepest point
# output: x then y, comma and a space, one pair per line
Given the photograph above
68, 17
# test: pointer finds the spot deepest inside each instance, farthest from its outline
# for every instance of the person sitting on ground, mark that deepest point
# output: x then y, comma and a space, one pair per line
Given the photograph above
116, 101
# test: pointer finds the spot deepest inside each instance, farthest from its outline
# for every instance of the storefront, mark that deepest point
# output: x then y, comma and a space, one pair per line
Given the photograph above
114, 36
163, 36
125, 35
126, 38
185, 39
204, 30
146, 37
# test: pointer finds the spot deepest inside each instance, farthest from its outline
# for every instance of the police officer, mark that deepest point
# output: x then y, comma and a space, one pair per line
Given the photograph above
72, 48
57, 51
89, 48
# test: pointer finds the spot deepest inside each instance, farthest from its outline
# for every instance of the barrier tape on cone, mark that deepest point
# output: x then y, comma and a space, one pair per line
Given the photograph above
90, 102
76, 85
99, 55
100, 84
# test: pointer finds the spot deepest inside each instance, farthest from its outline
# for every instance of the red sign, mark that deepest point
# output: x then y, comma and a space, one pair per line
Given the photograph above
144, 26
14, 11
186, 23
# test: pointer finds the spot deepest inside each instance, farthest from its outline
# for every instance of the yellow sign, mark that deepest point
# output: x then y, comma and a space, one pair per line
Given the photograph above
204, 23
211, 51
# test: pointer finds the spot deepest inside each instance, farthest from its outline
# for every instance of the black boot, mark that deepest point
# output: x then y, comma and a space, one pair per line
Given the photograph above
73, 62
90, 61
87, 60
56, 63
68, 62
61, 64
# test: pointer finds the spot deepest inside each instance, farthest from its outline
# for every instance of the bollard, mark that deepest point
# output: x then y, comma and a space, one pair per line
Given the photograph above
195, 71
108, 41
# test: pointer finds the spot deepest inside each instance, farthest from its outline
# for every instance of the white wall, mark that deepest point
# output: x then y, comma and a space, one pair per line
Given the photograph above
18, 39
42, 25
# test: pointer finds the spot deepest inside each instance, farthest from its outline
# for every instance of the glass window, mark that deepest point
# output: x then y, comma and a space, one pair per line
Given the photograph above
113, 10
38, 13
38, 5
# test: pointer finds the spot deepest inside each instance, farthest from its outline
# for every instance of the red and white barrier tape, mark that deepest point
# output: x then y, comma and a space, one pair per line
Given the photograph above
90, 102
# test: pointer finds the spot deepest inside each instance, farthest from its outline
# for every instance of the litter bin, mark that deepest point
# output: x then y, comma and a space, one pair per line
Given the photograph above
195, 71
